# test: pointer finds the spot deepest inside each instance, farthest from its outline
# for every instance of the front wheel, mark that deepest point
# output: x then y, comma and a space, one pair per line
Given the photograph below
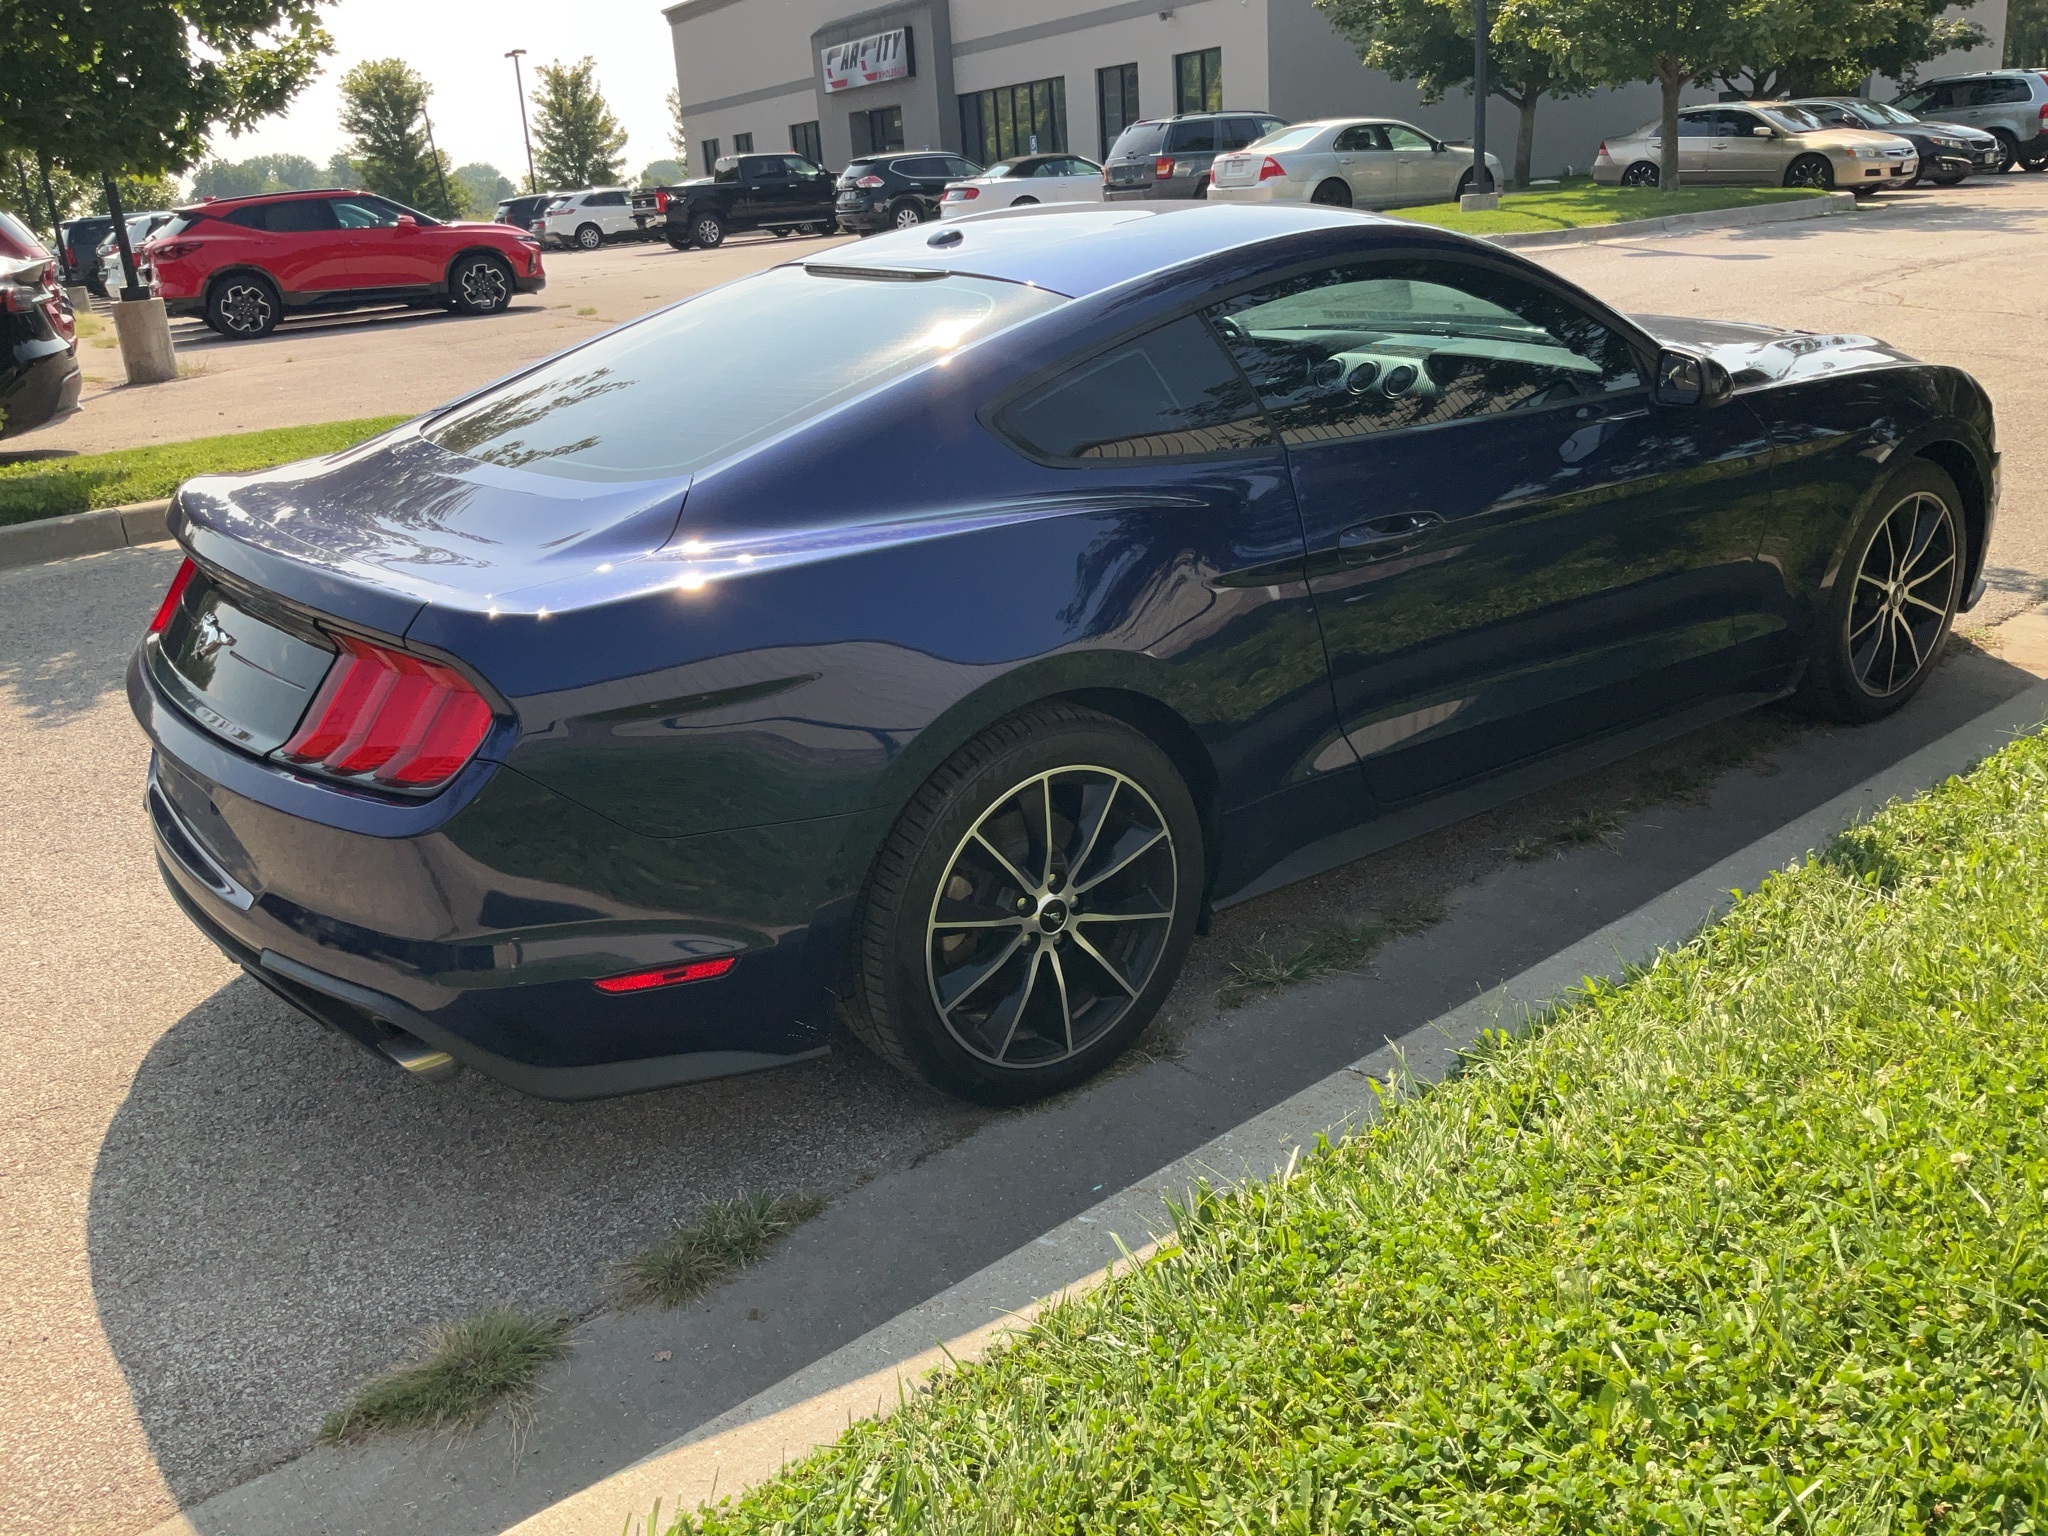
707, 231
589, 237
479, 285
2008, 149
1030, 910
1893, 600
1814, 171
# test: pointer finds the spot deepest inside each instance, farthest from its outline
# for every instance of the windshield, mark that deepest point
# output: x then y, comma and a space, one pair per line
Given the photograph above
1793, 119
1879, 112
688, 386
1289, 138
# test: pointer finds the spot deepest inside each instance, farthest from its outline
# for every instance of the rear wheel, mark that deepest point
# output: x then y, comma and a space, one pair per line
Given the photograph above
479, 285
707, 230
1030, 910
2034, 158
906, 215
2008, 149
1641, 174
1815, 171
1893, 600
589, 237
243, 308
1332, 194
677, 242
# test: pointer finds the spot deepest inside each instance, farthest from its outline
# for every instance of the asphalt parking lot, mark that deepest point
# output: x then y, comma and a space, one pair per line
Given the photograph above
219, 1219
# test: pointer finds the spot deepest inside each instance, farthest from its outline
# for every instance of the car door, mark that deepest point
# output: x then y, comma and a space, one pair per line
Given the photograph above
292, 241
1361, 157
1698, 133
1424, 173
1755, 154
1510, 546
768, 190
374, 251
1079, 181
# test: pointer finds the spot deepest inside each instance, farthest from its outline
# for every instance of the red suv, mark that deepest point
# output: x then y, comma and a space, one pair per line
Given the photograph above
243, 263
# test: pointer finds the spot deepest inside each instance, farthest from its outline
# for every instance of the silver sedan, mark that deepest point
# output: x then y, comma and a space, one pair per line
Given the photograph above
1351, 162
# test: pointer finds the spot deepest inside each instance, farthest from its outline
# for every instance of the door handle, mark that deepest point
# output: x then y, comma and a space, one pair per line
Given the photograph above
1384, 536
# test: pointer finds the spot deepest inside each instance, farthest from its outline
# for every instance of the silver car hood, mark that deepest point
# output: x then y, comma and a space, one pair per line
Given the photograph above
1769, 354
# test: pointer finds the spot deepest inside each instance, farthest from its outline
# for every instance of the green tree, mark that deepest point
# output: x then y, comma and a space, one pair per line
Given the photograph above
679, 131
343, 172
2026, 34
384, 114
1833, 46
661, 173
1430, 42
483, 186
259, 173
577, 141
22, 193
1670, 43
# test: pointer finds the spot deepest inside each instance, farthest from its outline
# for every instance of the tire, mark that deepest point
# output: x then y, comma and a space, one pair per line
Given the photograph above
1062, 1000
588, 237
2034, 163
677, 242
1642, 174
1872, 651
707, 231
905, 215
1949, 179
782, 232
243, 307
1025, 202
479, 285
1332, 194
2008, 150
1202, 190
1816, 171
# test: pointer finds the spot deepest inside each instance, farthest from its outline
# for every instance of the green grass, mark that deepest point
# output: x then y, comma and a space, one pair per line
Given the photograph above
1578, 206
467, 1369
1754, 1241
1326, 951
51, 487
724, 1237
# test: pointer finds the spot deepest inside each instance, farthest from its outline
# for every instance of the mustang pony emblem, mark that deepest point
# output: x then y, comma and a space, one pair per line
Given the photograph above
211, 639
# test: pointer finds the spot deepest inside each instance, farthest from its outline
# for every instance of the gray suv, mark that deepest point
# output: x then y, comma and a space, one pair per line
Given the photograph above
1170, 156
2011, 104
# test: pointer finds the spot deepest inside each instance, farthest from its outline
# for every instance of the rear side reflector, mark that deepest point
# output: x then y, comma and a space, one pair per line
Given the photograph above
398, 720
668, 975
169, 605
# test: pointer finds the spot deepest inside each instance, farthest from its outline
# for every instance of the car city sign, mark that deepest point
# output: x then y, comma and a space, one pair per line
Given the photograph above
867, 60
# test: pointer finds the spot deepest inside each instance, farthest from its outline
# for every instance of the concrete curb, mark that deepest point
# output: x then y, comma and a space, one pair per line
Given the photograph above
83, 533
870, 1376
1683, 223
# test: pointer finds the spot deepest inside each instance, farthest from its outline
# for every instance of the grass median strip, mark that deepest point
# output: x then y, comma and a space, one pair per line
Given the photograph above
1751, 1241
1582, 205
467, 1369
724, 1237
41, 488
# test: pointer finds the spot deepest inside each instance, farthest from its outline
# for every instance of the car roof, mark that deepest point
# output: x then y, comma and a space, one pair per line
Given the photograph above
215, 204
1185, 117
1079, 249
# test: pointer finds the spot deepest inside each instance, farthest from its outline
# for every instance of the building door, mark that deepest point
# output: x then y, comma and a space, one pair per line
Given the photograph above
877, 131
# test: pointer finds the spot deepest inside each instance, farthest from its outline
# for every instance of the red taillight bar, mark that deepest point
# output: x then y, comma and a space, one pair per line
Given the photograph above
169, 605
400, 720
667, 975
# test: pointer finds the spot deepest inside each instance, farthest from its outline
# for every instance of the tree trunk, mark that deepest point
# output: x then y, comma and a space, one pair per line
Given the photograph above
1672, 79
1525, 137
50, 197
128, 283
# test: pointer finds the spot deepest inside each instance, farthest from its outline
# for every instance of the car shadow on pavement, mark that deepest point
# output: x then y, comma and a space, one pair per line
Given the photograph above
348, 323
53, 673
276, 1215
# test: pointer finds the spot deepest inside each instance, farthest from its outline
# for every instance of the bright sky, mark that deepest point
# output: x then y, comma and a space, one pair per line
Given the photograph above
460, 49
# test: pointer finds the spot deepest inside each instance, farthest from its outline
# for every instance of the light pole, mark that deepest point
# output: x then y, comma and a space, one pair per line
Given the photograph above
519, 79
1482, 178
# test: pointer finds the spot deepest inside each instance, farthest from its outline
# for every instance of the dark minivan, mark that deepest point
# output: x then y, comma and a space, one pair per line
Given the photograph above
1170, 156
896, 190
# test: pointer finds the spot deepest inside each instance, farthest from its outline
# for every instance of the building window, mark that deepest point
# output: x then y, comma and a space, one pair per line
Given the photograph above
876, 132
1116, 100
1198, 81
710, 151
1014, 120
804, 139
743, 143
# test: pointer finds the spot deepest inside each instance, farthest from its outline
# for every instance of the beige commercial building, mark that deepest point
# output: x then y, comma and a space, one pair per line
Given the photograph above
988, 78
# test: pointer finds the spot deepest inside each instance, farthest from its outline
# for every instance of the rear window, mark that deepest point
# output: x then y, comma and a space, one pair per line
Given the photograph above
1993, 93
1293, 138
16, 240
684, 388
1172, 393
1139, 139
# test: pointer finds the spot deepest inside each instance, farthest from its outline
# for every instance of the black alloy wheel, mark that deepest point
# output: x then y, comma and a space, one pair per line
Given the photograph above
906, 216
1893, 601
479, 285
589, 237
243, 308
1333, 194
707, 230
1641, 174
1815, 171
1031, 909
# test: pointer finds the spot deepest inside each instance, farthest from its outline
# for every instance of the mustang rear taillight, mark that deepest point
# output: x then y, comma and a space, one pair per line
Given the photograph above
396, 720
667, 975
962, 194
169, 605
1271, 169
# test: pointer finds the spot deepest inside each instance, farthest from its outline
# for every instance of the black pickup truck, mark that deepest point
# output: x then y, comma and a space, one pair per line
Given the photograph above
779, 193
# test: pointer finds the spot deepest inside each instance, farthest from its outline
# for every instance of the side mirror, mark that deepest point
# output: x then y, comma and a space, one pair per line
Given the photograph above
1685, 378
1438, 146
407, 221
1765, 133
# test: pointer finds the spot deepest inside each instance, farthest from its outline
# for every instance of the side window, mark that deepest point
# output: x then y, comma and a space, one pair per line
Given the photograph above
1740, 125
797, 165
926, 166
1384, 346
308, 216
1403, 137
1170, 394
256, 216
1358, 139
1930, 98
1696, 125
1191, 138
363, 212
1237, 132
960, 170
1270, 125
1994, 93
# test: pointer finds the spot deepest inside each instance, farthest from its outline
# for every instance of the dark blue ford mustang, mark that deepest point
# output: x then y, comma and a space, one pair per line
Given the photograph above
934, 631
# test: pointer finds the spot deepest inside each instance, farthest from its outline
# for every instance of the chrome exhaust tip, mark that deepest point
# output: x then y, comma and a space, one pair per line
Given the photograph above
420, 1059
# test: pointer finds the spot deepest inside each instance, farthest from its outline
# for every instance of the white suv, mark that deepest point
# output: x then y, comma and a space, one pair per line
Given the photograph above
588, 218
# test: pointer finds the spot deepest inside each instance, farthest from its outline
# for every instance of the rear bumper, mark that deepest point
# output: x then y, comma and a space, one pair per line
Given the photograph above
36, 387
478, 926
